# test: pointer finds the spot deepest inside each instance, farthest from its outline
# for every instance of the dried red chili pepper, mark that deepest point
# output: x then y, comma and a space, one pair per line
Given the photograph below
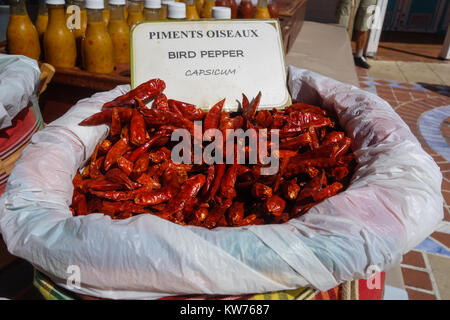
228, 182
217, 213
188, 190
275, 205
290, 189
146, 146
141, 164
135, 174
115, 123
117, 150
161, 102
144, 92
137, 129
220, 171
212, 118
105, 117
154, 197
328, 191
148, 181
79, 203
125, 164
261, 191
236, 213
250, 109
118, 176
189, 111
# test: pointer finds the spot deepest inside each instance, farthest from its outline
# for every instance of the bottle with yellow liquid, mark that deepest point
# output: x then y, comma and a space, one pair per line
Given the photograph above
207, 9
78, 11
163, 11
152, 10
98, 51
59, 42
106, 13
135, 13
119, 31
21, 34
42, 19
78, 31
199, 4
262, 12
191, 10
125, 10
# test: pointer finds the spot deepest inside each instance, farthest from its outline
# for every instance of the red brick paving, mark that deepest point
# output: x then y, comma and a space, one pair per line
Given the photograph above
414, 258
417, 279
417, 295
442, 238
410, 105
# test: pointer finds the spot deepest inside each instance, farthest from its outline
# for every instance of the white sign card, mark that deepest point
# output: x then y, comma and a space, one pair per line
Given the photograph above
204, 61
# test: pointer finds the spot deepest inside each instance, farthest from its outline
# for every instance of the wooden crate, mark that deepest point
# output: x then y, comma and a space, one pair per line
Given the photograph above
292, 15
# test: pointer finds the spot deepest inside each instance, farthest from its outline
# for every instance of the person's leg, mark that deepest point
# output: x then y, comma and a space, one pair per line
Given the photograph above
361, 40
364, 17
343, 12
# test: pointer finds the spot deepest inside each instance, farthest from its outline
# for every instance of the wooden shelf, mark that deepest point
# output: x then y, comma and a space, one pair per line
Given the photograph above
292, 15
81, 78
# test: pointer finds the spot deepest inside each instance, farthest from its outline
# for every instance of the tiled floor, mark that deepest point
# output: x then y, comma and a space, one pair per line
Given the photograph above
422, 72
426, 109
409, 46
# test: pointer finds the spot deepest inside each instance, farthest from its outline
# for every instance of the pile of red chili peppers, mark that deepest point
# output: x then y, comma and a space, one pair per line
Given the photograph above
131, 172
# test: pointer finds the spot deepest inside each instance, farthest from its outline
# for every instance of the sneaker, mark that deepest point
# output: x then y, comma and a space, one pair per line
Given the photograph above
361, 62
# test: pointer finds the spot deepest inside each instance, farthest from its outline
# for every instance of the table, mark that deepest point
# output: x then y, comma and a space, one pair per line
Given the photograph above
325, 49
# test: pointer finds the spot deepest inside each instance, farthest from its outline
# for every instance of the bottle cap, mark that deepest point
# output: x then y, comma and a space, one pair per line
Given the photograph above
118, 2
221, 13
167, 2
55, 2
94, 4
176, 10
152, 4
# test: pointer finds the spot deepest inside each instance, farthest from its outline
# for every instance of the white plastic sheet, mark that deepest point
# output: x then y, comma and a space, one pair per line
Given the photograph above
19, 76
392, 204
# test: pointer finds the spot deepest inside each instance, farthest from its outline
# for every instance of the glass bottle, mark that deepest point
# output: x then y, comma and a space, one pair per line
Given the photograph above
152, 10
234, 9
273, 9
222, 3
163, 11
77, 31
21, 34
59, 42
246, 10
199, 4
262, 12
98, 52
119, 31
42, 19
221, 13
207, 9
106, 13
176, 11
191, 10
135, 14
